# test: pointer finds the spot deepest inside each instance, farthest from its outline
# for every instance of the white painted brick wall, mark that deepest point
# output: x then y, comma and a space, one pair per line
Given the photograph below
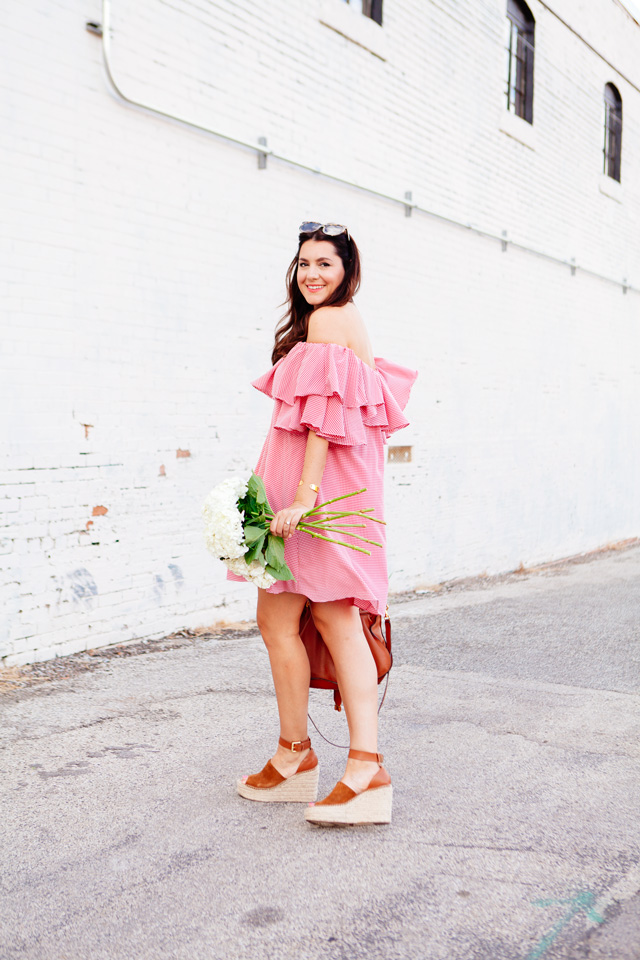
143, 265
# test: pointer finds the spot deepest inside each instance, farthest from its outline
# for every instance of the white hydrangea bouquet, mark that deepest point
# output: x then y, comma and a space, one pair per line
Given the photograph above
237, 517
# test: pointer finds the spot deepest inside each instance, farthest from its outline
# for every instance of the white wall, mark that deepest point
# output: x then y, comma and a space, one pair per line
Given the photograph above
144, 264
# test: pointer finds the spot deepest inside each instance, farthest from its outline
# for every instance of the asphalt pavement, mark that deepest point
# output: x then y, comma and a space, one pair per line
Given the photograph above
511, 730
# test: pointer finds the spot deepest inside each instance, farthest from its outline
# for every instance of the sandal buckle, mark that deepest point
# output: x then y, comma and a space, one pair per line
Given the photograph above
296, 743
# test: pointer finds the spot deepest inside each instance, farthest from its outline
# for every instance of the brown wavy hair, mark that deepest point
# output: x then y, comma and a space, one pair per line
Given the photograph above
294, 324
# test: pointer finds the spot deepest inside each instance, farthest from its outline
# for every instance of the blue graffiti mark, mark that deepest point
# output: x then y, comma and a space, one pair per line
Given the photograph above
176, 573
582, 901
83, 586
158, 589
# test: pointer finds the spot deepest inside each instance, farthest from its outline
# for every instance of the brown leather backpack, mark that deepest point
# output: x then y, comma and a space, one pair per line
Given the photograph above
323, 671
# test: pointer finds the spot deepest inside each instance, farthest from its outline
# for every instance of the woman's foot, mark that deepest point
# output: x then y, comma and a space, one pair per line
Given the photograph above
359, 774
287, 761
364, 795
290, 776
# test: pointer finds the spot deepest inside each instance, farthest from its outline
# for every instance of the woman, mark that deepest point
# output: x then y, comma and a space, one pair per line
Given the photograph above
335, 404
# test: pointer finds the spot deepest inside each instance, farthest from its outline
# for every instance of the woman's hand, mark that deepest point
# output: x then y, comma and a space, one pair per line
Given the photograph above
285, 521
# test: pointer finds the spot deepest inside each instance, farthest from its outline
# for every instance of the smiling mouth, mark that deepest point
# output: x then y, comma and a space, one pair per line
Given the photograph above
313, 287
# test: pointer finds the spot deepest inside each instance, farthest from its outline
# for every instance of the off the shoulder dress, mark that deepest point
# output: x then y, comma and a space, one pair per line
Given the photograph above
327, 388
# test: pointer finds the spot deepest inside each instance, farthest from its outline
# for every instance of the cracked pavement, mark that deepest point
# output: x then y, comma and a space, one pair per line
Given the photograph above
510, 729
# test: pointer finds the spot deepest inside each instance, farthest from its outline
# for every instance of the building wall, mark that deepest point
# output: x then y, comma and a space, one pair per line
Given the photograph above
146, 265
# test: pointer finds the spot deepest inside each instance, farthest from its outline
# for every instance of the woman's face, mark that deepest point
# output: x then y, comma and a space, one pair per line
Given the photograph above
320, 271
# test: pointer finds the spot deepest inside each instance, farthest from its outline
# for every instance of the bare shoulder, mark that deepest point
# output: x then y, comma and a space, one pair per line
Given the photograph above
344, 326
331, 325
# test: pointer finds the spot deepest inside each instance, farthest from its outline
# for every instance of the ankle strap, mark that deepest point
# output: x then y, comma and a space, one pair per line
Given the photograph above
296, 745
364, 755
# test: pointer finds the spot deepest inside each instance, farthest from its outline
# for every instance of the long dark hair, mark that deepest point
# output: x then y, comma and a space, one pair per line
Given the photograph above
294, 324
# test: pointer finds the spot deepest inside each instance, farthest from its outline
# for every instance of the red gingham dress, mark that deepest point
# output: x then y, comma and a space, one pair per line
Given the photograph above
327, 388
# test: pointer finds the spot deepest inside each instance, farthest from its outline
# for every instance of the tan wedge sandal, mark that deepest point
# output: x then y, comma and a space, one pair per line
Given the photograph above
270, 786
345, 806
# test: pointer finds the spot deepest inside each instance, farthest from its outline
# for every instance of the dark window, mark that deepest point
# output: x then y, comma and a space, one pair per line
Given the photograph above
373, 9
519, 48
612, 131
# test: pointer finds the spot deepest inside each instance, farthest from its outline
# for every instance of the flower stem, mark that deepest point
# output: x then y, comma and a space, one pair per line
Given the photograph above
342, 543
335, 499
335, 515
356, 536
323, 525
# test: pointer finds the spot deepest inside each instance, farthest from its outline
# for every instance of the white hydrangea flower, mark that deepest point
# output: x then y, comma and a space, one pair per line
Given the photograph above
254, 572
224, 535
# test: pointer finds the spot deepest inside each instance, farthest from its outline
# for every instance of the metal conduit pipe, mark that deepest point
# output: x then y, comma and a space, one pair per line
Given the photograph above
263, 151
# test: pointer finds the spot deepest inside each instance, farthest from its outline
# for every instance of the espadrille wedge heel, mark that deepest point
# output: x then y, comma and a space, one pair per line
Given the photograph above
269, 786
345, 806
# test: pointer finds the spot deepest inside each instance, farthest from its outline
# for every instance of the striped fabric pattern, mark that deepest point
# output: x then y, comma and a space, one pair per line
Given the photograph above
327, 388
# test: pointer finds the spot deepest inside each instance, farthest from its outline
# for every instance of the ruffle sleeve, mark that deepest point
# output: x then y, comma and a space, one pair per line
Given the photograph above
327, 388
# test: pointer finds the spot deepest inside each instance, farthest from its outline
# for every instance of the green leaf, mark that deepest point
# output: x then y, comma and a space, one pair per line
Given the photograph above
275, 550
251, 534
252, 552
249, 505
280, 573
256, 488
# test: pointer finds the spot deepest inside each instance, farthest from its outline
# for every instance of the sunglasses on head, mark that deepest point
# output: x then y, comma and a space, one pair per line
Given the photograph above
331, 229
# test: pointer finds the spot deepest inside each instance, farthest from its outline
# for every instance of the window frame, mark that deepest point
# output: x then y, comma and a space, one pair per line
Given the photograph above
612, 147
373, 10
348, 21
520, 49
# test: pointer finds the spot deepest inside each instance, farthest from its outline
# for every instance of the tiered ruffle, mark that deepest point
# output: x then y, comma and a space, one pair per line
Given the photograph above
327, 388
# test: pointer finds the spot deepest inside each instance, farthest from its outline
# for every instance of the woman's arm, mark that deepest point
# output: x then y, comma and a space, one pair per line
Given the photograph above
315, 458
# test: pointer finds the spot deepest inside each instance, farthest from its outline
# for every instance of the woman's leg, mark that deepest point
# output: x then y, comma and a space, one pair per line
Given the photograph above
339, 623
278, 617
